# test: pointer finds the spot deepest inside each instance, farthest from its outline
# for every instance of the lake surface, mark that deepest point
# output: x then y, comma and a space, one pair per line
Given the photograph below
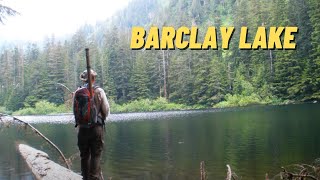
170, 145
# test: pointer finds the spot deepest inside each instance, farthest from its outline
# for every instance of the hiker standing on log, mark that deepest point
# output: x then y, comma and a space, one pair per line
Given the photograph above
91, 110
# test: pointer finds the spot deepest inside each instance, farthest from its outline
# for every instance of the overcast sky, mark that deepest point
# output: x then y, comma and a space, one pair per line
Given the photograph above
40, 18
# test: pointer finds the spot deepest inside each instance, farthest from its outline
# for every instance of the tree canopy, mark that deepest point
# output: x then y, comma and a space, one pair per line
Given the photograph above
30, 72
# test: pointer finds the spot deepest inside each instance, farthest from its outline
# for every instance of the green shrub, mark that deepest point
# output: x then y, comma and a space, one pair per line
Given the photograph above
245, 100
43, 108
25, 111
4, 110
146, 105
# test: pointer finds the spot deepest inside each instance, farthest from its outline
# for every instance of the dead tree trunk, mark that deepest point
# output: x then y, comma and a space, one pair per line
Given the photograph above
271, 62
164, 75
202, 171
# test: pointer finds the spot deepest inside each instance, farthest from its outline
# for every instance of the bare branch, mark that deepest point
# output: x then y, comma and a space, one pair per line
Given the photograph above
41, 135
229, 173
202, 171
288, 175
6, 11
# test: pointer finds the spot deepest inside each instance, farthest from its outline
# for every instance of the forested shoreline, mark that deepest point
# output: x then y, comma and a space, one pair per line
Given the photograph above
188, 78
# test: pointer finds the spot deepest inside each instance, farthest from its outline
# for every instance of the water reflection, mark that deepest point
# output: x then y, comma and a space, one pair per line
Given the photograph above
253, 141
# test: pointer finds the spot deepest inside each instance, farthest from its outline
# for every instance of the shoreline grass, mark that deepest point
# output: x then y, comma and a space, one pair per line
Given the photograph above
148, 105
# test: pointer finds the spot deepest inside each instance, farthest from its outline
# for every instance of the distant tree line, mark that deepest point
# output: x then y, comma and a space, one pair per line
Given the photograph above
30, 72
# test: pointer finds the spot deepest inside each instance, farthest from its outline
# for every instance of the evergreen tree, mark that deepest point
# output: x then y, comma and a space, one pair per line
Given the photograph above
217, 82
201, 77
139, 80
30, 72
119, 64
181, 78
313, 68
288, 69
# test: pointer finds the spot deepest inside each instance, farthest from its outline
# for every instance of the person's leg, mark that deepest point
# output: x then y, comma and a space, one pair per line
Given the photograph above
84, 152
96, 145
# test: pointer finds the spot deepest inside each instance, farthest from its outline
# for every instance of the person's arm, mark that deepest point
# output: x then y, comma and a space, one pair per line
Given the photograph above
73, 106
105, 108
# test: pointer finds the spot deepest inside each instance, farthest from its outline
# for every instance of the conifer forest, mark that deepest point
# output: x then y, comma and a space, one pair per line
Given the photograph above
30, 71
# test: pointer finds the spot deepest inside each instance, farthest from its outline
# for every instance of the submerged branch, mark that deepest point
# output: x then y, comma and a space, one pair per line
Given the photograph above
304, 172
202, 171
289, 175
41, 135
229, 173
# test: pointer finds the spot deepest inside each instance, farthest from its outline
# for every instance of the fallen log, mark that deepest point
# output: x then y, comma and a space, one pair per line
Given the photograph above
43, 168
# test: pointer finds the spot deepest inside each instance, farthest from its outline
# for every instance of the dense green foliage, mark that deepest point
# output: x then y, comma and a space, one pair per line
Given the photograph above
30, 72
143, 105
43, 107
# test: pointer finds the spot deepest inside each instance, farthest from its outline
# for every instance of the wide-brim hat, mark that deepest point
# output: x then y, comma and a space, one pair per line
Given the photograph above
84, 75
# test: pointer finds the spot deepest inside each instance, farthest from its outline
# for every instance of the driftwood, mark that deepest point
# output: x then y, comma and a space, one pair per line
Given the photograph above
203, 175
229, 173
303, 173
40, 134
202, 171
42, 167
300, 172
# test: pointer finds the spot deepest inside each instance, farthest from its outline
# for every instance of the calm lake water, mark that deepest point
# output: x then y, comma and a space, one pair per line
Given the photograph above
170, 145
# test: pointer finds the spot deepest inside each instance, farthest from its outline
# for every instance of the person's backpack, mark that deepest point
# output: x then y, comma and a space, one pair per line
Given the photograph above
84, 108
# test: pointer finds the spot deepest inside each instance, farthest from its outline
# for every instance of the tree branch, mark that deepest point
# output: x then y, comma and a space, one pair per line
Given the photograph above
6, 11
41, 135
